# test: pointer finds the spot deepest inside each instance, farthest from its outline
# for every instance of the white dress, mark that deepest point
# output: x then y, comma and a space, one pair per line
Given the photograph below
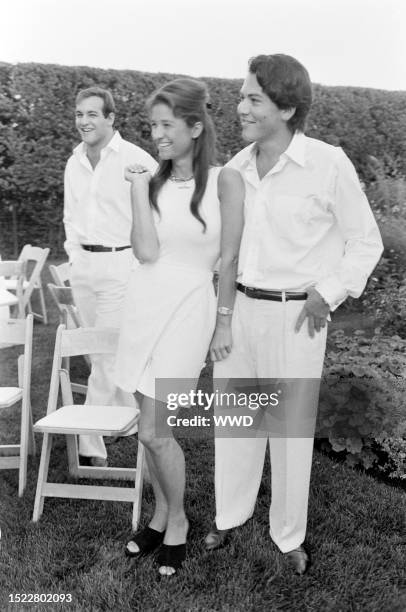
170, 308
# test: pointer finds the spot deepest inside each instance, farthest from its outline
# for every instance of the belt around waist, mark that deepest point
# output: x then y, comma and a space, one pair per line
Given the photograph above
98, 248
275, 296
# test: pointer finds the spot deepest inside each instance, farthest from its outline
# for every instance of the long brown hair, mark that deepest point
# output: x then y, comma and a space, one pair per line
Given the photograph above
188, 99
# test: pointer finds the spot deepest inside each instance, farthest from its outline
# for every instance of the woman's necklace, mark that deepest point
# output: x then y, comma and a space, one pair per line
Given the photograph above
181, 182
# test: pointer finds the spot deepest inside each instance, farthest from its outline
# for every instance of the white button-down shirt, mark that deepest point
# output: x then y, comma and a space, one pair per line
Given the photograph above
307, 223
97, 201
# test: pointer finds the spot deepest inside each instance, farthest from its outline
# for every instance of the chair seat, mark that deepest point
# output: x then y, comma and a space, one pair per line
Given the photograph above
11, 284
82, 418
9, 396
7, 298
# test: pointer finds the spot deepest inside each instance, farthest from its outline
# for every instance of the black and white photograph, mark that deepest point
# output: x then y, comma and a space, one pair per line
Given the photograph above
203, 306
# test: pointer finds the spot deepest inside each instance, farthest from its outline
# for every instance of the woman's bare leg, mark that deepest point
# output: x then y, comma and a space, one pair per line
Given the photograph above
168, 467
160, 517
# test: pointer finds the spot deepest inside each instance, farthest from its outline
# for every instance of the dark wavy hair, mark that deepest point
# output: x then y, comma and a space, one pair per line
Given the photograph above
104, 94
287, 83
188, 99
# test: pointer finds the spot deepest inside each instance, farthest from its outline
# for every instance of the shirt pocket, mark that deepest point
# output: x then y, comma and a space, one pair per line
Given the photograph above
290, 214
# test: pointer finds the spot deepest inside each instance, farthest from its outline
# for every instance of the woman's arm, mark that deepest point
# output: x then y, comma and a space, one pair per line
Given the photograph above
231, 192
144, 239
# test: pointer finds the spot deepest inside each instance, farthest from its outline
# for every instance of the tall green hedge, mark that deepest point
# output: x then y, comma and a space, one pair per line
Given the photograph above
37, 134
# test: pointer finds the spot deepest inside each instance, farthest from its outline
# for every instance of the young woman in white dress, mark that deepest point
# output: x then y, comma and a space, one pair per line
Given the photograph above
180, 217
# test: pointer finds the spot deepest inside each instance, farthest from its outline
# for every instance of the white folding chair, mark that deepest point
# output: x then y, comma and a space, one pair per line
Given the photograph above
72, 420
14, 456
13, 271
70, 317
60, 274
63, 298
33, 281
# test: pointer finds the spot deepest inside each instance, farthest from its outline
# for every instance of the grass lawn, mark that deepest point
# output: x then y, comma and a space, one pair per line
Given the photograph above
356, 532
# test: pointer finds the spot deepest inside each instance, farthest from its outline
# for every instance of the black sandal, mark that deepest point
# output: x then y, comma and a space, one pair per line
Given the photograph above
171, 556
147, 540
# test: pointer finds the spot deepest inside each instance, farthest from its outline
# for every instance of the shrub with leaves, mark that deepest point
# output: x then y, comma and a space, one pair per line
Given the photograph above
386, 193
385, 296
362, 410
37, 134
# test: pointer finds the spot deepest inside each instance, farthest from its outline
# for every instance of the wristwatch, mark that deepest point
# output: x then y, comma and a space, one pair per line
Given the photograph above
223, 310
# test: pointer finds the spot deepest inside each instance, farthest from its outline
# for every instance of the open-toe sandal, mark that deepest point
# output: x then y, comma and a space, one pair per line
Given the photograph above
171, 556
147, 540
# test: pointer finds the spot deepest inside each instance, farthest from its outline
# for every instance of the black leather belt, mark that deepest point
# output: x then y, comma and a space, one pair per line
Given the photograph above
98, 248
264, 294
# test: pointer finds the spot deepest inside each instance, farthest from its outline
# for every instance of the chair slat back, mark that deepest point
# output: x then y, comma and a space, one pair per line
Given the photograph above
12, 331
62, 295
24, 373
12, 268
32, 253
88, 340
16, 270
66, 387
39, 255
56, 366
60, 274
63, 298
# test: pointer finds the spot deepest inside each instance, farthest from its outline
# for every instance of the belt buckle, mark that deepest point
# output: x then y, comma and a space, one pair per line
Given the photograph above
256, 293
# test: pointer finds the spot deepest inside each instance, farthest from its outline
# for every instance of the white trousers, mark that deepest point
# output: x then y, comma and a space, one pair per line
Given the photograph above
99, 282
265, 345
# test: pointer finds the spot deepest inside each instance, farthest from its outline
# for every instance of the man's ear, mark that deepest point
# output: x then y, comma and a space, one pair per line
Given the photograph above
110, 118
288, 113
197, 129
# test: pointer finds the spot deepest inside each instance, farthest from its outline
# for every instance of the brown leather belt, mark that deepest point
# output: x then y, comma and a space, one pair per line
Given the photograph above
275, 296
98, 248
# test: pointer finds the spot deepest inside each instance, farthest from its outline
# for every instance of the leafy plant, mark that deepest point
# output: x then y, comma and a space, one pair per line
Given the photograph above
385, 296
37, 134
362, 409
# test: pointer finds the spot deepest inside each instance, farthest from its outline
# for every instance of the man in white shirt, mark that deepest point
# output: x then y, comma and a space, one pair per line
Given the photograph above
98, 218
309, 241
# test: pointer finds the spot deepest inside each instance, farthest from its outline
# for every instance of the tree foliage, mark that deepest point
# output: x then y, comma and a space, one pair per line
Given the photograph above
37, 134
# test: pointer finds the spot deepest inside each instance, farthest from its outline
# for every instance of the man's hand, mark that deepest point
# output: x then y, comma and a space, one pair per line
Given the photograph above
315, 310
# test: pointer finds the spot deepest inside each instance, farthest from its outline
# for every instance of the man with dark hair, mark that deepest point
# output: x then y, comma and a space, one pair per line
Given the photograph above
98, 218
309, 241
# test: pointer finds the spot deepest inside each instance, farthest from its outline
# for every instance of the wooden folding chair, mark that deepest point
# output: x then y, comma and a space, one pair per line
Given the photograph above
70, 317
13, 271
14, 456
68, 312
33, 281
72, 420
60, 274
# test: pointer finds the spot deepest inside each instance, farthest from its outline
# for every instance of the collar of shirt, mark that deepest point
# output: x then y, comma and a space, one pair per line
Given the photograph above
113, 145
295, 152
